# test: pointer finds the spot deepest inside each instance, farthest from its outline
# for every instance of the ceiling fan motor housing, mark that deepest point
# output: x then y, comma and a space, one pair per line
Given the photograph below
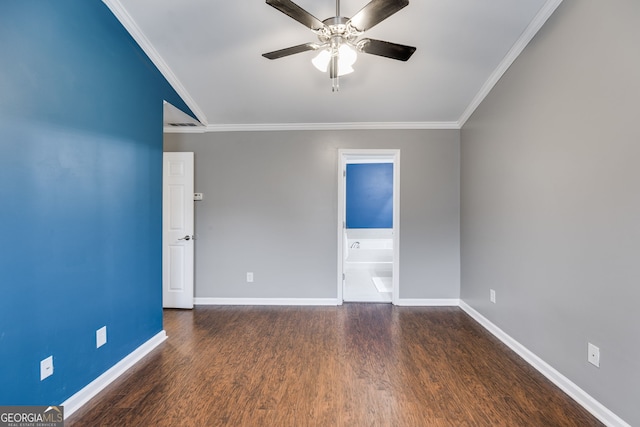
336, 29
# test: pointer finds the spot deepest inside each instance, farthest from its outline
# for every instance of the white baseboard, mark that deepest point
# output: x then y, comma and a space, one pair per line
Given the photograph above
417, 302
597, 409
76, 401
265, 301
408, 302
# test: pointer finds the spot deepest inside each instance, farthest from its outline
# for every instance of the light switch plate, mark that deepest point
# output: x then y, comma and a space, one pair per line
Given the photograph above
101, 337
46, 368
594, 355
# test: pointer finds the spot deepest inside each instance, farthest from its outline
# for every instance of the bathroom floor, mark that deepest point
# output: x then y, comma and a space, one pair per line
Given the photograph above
360, 286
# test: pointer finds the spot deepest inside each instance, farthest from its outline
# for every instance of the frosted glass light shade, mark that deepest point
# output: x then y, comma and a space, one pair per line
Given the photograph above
321, 60
347, 56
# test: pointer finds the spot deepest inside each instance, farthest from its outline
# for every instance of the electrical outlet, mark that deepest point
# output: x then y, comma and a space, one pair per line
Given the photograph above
594, 355
249, 277
46, 368
101, 337
492, 295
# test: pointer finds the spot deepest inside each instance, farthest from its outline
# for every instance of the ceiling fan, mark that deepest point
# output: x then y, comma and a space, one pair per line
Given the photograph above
338, 36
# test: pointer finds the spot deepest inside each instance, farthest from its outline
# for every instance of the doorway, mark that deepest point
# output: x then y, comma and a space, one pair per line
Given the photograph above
368, 225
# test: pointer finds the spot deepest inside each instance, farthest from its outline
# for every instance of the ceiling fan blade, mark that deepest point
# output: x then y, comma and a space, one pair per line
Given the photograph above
386, 49
296, 12
375, 12
289, 51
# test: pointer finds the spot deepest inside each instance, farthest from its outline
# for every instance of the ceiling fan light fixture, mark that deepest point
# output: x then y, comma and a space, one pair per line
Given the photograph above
321, 60
346, 55
338, 35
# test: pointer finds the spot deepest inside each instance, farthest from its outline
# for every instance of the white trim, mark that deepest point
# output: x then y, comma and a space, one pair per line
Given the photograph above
247, 127
265, 301
435, 302
406, 302
76, 401
184, 129
597, 409
130, 25
346, 156
545, 12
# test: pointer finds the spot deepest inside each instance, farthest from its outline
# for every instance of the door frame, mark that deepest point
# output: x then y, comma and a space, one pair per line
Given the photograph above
346, 156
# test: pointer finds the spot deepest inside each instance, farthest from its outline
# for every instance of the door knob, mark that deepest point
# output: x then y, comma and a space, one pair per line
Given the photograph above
187, 237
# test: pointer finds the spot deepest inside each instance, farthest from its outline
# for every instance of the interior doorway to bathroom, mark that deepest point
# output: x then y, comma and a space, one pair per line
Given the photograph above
368, 225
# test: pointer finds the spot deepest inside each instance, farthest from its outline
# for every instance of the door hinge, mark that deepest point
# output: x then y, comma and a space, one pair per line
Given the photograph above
343, 277
344, 173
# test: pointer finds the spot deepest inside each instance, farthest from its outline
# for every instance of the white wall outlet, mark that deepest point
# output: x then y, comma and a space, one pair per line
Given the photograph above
594, 355
46, 368
492, 295
101, 337
198, 196
249, 277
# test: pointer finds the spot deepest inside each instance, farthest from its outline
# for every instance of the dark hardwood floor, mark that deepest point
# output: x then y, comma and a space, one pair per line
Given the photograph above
353, 365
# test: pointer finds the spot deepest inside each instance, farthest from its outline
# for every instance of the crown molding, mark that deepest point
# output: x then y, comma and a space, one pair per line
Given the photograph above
186, 129
130, 25
545, 12
264, 127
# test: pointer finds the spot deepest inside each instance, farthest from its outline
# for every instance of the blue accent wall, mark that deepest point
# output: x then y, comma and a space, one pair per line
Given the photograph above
369, 195
80, 195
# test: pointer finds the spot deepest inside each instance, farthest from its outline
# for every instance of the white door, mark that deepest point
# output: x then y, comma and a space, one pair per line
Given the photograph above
177, 230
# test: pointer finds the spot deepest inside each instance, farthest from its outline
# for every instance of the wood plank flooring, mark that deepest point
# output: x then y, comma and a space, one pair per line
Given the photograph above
353, 365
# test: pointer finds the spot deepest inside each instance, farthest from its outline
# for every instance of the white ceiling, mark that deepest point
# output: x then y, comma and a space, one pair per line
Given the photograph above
211, 50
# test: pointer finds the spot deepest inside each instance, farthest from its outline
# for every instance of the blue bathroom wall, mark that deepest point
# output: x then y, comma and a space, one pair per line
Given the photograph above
80, 196
369, 195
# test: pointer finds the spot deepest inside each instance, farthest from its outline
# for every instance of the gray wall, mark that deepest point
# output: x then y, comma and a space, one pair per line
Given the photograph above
550, 199
270, 207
